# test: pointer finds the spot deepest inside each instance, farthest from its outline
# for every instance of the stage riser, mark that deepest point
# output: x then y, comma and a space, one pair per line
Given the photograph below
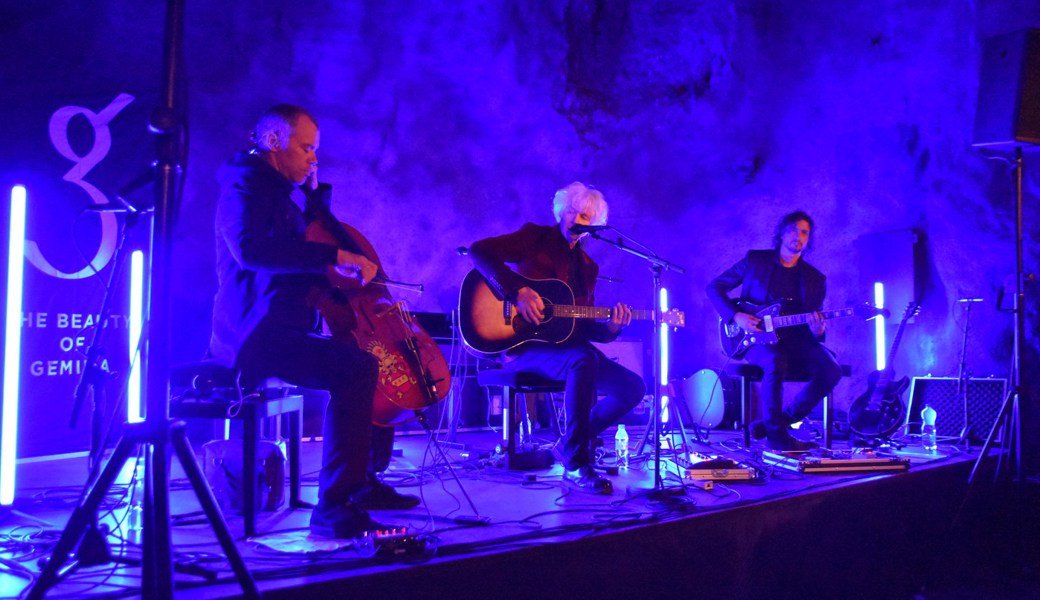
876, 539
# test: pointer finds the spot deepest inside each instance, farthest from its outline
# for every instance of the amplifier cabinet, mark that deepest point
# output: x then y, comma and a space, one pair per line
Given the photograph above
962, 414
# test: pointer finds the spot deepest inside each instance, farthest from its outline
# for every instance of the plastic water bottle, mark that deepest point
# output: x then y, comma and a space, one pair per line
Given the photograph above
621, 446
928, 440
135, 510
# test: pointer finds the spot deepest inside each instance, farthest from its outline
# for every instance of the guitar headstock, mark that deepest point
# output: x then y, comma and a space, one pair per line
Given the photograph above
868, 311
674, 318
912, 310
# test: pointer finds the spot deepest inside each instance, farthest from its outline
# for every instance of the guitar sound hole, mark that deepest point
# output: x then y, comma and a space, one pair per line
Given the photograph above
548, 312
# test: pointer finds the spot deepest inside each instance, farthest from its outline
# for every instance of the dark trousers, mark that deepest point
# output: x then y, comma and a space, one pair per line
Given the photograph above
349, 374
586, 372
804, 359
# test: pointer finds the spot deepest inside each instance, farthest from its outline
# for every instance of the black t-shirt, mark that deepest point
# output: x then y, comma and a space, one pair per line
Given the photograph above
785, 286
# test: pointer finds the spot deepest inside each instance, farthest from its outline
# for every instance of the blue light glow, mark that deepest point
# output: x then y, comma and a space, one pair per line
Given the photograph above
663, 332
12, 344
133, 389
879, 327
663, 366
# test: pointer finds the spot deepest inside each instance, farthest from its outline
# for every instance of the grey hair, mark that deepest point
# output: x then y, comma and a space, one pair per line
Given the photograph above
583, 198
277, 123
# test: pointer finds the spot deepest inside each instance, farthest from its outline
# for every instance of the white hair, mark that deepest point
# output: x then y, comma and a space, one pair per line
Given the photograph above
583, 199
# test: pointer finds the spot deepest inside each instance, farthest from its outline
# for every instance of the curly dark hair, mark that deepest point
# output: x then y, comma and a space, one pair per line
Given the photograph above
790, 219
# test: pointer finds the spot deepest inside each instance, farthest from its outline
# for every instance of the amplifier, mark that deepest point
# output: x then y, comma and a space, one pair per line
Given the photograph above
967, 414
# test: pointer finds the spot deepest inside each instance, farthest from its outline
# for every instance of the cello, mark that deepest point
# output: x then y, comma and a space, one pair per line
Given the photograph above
413, 373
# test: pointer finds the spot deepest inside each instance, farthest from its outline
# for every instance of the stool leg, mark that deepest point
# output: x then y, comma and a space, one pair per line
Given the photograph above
295, 432
250, 424
828, 421
745, 409
508, 425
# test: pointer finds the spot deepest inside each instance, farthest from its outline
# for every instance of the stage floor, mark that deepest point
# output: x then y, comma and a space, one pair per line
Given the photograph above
524, 510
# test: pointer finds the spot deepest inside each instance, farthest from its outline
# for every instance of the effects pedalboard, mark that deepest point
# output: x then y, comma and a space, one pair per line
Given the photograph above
391, 543
703, 467
835, 461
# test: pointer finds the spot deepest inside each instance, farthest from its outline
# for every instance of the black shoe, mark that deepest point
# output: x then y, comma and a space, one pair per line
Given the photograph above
586, 479
758, 430
377, 495
788, 443
343, 521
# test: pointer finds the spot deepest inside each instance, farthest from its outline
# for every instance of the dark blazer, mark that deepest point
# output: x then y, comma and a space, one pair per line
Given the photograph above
541, 252
265, 267
752, 274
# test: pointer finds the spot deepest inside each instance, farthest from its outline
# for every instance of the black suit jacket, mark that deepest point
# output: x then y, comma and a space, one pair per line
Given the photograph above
541, 252
752, 274
265, 267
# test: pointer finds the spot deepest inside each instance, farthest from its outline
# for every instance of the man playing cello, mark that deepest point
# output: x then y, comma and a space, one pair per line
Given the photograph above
264, 325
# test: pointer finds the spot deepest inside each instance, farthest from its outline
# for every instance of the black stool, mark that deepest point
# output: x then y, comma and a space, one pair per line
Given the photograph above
211, 391
514, 383
748, 373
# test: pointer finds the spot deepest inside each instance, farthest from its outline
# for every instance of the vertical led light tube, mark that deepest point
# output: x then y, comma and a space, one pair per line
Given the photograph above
880, 344
662, 302
12, 344
133, 388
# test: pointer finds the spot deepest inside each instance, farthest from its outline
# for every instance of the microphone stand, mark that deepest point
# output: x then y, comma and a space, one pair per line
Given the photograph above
158, 436
1007, 420
93, 548
657, 264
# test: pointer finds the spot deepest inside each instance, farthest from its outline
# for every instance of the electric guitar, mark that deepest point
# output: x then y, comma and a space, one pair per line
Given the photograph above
736, 341
879, 411
491, 325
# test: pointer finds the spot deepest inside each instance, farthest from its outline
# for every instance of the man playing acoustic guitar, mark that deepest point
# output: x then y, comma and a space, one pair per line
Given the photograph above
782, 275
555, 251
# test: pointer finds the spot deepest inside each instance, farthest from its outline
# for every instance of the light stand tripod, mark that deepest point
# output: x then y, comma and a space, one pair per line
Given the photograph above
1008, 417
157, 433
657, 264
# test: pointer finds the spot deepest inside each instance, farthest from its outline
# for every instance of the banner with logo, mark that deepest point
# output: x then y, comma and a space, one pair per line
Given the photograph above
78, 85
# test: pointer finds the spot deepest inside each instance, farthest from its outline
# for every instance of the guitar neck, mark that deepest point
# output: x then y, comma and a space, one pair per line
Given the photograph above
574, 311
888, 371
801, 319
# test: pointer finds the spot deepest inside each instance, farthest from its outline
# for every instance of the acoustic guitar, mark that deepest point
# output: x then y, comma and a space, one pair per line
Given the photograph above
736, 341
491, 325
879, 411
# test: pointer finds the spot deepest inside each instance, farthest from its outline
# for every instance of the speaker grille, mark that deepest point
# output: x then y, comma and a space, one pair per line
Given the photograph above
959, 415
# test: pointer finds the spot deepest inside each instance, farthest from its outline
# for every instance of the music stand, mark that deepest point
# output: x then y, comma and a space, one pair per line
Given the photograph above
1008, 418
657, 264
157, 433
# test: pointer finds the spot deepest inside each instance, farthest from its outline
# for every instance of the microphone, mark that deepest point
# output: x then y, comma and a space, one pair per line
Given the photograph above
588, 228
969, 300
110, 207
121, 204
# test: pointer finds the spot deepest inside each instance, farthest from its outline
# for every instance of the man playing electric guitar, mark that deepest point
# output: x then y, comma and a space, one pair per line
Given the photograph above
555, 251
766, 277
